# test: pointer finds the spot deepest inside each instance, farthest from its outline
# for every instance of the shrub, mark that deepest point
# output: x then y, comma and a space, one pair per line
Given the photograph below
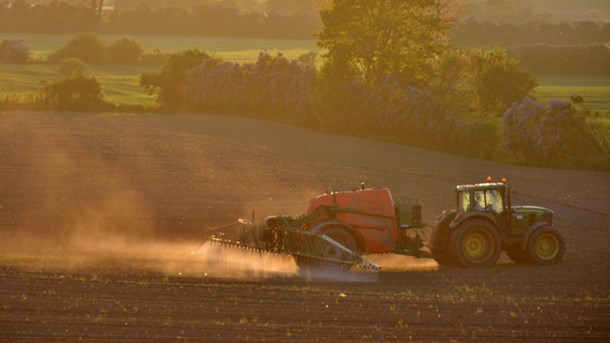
75, 93
308, 58
14, 51
169, 83
273, 87
553, 135
124, 51
87, 47
407, 115
71, 67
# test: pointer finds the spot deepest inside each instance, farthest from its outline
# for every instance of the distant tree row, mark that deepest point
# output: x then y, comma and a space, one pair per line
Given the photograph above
484, 33
208, 20
89, 48
563, 59
212, 19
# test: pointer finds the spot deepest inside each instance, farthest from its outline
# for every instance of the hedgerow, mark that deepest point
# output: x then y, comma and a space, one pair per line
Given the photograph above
273, 88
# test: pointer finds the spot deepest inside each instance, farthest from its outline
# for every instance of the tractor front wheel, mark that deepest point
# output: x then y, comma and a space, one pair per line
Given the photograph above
475, 243
546, 246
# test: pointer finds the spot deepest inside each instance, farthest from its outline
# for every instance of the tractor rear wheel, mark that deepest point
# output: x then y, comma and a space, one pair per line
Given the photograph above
439, 247
475, 243
546, 246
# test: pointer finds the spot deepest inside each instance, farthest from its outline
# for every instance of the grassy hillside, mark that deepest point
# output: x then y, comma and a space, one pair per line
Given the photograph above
595, 89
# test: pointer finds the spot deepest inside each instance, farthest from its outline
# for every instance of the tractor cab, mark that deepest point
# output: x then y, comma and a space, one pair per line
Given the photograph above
490, 200
484, 197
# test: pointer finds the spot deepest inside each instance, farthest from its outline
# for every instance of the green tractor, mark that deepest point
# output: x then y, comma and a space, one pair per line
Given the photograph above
484, 223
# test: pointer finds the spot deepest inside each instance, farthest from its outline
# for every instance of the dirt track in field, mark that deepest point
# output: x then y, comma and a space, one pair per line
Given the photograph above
101, 218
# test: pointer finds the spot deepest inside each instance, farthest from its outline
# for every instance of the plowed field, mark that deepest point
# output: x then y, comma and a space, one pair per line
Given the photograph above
102, 219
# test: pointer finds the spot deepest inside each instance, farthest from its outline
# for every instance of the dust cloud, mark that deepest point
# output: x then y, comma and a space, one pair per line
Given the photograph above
112, 255
395, 262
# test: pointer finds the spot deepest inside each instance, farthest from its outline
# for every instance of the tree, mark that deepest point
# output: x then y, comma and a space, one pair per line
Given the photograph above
14, 51
371, 39
500, 80
96, 9
71, 67
124, 51
78, 92
87, 46
169, 83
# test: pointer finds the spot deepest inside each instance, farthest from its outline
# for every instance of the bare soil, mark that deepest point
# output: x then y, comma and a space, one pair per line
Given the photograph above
102, 218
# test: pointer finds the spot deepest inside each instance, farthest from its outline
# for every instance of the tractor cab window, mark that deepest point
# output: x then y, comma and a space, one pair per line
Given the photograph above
463, 201
479, 201
494, 200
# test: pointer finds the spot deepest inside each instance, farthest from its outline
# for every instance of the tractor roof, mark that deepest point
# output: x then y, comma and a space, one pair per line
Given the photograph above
480, 186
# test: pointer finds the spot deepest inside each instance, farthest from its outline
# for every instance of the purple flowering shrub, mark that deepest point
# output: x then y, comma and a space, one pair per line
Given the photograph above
550, 135
273, 87
408, 115
278, 89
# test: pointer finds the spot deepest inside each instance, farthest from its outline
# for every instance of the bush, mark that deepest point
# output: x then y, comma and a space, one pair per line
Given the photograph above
553, 135
87, 47
500, 80
273, 87
169, 83
407, 115
71, 67
77, 93
14, 51
124, 51
308, 58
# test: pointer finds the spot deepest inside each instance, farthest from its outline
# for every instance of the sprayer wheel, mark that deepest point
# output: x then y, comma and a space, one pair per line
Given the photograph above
341, 236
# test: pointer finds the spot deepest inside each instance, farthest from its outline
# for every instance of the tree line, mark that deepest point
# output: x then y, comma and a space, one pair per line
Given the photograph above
214, 20
471, 32
207, 20
563, 59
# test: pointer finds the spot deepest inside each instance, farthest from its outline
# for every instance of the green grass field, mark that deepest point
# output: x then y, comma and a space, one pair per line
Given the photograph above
229, 48
595, 90
120, 84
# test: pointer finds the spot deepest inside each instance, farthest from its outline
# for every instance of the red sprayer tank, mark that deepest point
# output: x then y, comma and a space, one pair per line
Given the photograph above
369, 212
